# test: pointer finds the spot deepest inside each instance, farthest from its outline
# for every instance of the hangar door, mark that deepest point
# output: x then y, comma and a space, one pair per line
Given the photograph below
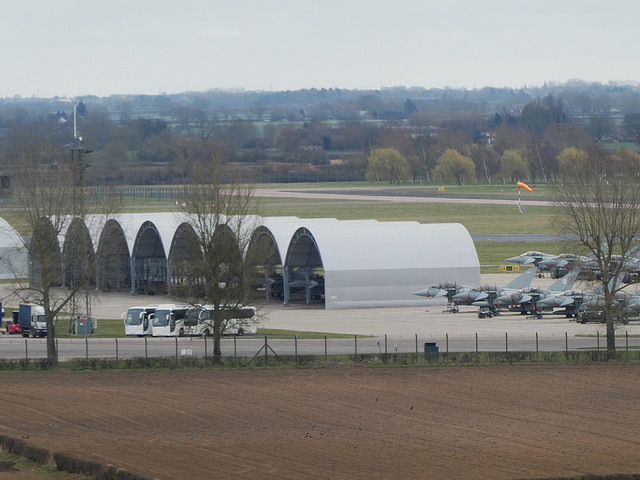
304, 271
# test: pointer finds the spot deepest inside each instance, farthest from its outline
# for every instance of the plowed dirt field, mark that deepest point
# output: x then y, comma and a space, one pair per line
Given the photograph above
344, 423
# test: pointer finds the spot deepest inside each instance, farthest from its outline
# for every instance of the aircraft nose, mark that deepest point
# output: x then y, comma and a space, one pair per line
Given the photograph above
517, 259
548, 302
423, 293
460, 296
503, 300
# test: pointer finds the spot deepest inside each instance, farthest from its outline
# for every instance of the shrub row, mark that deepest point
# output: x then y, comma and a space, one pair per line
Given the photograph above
23, 449
65, 462
68, 463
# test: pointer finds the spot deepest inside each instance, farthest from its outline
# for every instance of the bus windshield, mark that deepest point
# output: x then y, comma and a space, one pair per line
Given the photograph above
161, 318
133, 316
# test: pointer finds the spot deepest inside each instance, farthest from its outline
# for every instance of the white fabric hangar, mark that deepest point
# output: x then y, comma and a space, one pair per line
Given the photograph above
343, 263
380, 264
13, 254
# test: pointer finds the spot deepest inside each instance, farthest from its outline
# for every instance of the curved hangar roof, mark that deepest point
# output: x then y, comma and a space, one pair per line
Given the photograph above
365, 263
381, 264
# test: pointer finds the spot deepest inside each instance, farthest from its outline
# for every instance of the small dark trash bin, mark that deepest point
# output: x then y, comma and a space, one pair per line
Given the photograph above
430, 347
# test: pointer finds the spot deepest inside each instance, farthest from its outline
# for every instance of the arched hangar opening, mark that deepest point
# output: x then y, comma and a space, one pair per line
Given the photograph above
184, 254
304, 271
263, 256
148, 262
44, 253
78, 258
113, 261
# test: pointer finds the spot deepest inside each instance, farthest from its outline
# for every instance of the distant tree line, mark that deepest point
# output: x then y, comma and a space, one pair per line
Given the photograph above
486, 135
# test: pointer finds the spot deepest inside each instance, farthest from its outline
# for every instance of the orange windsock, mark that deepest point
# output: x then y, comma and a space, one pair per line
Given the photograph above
524, 185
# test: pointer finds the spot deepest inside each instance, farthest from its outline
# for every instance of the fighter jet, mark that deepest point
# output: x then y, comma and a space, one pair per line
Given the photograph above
529, 258
565, 260
444, 289
526, 300
469, 295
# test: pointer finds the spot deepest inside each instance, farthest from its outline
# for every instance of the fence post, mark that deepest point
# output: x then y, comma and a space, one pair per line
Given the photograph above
26, 351
566, 343
446, 341
506, 343
355, 338
385, 344
326, 358
536, 346
477, 344
266, 348
205, 351
146, 353
416, 343
295, 340
86, 347
176, 349
598, 341
116, 339
235, 349
626, 335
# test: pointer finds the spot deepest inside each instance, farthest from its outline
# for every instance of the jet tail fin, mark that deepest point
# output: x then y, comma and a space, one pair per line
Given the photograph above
566, 282
523, 280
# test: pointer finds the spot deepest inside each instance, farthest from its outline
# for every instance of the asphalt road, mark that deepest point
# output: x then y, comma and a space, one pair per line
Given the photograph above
379, 330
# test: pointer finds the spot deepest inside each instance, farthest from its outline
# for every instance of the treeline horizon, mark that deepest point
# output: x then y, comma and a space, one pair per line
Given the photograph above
322, 134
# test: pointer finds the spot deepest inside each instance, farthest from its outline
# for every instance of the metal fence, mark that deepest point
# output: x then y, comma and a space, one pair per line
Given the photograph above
260, 350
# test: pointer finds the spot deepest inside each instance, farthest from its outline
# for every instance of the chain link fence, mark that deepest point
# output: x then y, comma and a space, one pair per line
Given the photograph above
263, 350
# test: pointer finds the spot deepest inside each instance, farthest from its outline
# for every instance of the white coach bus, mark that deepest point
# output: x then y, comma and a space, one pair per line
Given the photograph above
137, 320
169, 321
237, 320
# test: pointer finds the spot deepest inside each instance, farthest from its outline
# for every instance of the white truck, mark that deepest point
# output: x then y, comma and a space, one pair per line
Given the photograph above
32, 320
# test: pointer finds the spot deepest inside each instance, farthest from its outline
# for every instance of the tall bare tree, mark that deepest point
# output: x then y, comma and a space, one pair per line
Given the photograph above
599, 200
56, 210
219, 268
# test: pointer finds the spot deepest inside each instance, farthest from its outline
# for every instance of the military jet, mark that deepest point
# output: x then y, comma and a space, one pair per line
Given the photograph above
444, 289
526, 300
469, 295
565, 260
529, 258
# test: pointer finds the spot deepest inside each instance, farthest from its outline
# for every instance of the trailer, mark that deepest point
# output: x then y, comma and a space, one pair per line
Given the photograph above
32, 320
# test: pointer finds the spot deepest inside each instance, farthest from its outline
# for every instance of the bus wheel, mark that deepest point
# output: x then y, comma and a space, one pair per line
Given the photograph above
181, 332
240, 332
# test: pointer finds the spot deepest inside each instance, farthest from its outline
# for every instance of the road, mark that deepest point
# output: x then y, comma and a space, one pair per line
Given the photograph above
378, 330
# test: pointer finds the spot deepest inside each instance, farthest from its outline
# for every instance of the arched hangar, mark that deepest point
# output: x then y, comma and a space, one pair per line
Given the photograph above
345, 264
378, 264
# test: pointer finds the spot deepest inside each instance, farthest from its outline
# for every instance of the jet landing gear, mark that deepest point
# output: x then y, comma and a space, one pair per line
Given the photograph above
452, 308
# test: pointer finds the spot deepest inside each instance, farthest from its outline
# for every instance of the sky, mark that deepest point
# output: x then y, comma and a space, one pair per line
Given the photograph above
76, 48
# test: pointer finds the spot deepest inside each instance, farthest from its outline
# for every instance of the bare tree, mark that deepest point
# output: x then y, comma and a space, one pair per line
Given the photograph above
218, 219
598, 200
56, 209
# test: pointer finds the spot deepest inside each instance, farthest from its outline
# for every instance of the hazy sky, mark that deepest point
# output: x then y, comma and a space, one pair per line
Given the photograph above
104, 47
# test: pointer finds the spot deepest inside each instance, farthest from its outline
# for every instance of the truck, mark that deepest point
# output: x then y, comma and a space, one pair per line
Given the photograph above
32, 320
